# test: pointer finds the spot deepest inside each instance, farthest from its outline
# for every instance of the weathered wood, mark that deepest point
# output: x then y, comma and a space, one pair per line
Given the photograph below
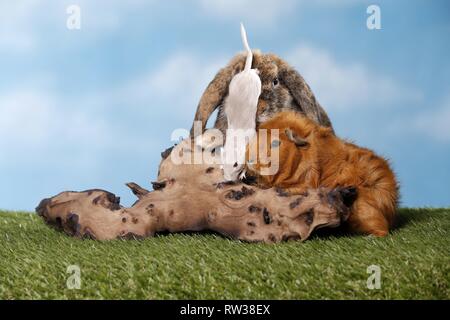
191, 197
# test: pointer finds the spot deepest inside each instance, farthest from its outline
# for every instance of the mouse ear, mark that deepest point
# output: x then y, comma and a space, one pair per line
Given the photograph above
216, 92
299, 141
301, 92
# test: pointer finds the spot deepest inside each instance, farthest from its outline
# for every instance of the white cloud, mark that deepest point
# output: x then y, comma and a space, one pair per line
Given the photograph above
435, 123
25, 117
341, 86
35, 120
107, 15
16, 24
177, 83
38, 124
23, 23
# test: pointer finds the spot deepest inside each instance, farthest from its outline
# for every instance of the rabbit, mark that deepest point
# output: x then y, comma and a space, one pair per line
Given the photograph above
282, 89
240, 110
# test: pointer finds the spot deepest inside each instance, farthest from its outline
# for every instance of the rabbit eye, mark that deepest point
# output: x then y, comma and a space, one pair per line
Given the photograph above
275, 81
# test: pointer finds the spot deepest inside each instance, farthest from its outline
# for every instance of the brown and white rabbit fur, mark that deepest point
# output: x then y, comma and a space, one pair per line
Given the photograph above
283, 89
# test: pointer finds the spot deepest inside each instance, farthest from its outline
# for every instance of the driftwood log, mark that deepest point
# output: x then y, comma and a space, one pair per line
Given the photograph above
192, 197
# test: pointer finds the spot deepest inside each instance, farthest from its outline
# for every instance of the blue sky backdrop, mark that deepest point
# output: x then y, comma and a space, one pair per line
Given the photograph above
93, 108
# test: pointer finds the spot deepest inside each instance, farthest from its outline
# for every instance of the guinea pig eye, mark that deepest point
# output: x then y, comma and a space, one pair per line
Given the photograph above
276, 143
275, 81
235, 165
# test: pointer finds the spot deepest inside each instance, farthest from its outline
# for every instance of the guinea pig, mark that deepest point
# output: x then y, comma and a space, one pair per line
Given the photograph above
282, 89
311, 156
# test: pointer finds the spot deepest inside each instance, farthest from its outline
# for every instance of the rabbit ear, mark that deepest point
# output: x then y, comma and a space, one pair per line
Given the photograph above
216, 92
302, 93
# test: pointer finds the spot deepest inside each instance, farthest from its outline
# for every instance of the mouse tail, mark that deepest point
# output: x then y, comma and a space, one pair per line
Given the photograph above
248, 62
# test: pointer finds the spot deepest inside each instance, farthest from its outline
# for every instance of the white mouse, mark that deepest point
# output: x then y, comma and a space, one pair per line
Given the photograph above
240, 108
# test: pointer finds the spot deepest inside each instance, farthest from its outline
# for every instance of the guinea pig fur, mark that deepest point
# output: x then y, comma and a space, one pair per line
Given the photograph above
311, 156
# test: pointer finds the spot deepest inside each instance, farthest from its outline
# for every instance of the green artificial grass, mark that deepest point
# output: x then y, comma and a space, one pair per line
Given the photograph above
414, 262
